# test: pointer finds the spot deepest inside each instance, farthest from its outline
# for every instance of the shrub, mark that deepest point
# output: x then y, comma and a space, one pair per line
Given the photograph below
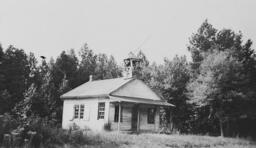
107, 126
48, 135
7, 124
38, 132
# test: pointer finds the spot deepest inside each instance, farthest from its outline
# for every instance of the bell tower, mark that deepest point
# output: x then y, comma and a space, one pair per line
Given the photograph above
130, 63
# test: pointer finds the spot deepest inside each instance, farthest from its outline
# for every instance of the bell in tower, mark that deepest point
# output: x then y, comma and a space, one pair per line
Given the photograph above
129, 64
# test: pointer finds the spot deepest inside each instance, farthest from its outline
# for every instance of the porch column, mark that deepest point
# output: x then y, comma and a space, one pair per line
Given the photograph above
138, 119
157, 118
119, 116
170, 119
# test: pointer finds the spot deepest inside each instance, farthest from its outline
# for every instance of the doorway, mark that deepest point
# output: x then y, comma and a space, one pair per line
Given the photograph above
135, 109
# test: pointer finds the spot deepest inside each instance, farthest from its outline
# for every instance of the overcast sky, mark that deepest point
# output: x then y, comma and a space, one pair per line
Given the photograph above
161, 28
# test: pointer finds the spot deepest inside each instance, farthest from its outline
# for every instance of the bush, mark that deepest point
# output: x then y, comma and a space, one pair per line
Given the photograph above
38, 132
107, 126
7, 124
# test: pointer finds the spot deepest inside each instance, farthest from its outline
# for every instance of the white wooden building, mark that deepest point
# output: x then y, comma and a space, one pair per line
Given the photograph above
125, 104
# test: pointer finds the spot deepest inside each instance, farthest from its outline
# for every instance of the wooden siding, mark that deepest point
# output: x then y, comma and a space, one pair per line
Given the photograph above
91, 109
126, 114
127, 118
144, 125
91, 122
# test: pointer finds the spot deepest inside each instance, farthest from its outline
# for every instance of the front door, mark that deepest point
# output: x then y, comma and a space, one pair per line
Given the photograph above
134, 117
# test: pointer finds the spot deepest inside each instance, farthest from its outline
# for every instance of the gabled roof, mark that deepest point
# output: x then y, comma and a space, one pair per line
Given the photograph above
96, 88
118, 89
136, 89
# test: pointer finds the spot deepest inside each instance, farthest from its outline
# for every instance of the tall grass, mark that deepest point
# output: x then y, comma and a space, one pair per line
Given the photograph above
41, 133
148, 140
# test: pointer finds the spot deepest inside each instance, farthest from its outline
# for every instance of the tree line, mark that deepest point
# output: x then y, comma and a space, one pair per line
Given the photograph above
213, 94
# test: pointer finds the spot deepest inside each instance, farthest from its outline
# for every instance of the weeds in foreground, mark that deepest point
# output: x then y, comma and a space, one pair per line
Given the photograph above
40, 133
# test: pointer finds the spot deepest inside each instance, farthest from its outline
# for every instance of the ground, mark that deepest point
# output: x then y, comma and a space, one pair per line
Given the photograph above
114, 139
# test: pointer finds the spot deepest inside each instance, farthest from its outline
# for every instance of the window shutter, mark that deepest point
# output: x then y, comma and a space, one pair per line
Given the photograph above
121, 120
86, 113
73, 117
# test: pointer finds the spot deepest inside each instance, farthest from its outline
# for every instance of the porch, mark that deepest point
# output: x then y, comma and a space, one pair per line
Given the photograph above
135, 114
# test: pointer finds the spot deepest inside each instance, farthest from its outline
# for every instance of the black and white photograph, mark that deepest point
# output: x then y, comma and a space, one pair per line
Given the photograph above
127, 74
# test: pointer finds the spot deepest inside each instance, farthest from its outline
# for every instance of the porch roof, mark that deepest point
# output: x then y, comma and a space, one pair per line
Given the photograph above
140, 101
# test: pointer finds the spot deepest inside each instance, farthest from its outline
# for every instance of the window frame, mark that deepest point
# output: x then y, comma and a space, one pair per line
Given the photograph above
151, 115
79, 111
101, 110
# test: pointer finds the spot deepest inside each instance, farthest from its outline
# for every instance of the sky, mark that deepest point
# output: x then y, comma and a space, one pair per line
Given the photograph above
160, 28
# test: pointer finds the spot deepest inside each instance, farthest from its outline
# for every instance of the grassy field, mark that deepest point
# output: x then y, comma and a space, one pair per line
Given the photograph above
113, 139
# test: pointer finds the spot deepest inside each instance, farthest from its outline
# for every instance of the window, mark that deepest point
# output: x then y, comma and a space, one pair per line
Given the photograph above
76, 111
101, 110
117, 114
151, 115
81, 111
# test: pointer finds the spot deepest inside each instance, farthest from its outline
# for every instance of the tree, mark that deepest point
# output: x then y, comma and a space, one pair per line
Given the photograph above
23, 109
1, 68
114, 69
140, 70
200, 43
229, 47
208, 39
45, 101
106, 67
218, 86
171, 79
87, 64
16, 75
66, 67
33, 70
4, 95
5, 98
